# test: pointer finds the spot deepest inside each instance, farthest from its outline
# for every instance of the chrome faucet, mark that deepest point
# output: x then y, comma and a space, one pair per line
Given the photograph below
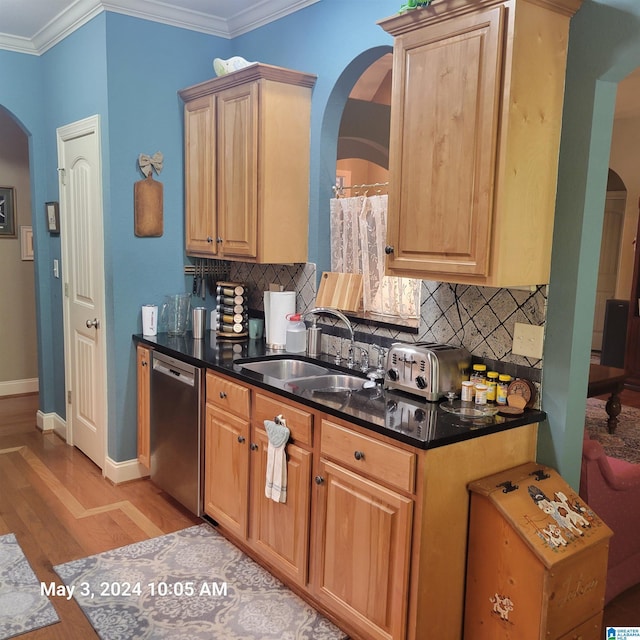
340, 316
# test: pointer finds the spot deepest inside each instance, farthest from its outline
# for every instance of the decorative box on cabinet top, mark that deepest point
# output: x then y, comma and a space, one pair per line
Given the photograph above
537, 559
247, 158
476, 113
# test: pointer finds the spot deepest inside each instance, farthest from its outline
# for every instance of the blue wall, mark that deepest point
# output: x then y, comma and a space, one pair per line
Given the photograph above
604, 46
129, 70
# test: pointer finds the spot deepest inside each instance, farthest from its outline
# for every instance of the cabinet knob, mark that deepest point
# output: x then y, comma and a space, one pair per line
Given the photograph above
219, 240
389, 249
254, 446
319, 480
223, 395
241, 439
358, 455
209, 239
144, 363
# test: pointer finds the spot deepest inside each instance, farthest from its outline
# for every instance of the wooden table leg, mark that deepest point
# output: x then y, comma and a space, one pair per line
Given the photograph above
613, 408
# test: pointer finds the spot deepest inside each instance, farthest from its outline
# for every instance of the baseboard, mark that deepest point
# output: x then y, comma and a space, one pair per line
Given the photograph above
18, 387
52, 422
119, 472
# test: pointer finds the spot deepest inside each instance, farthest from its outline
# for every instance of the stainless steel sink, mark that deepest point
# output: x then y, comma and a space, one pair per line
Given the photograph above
284, 368
333, 383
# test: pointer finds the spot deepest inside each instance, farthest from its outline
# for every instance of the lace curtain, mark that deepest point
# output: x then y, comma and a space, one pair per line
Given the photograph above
358, 231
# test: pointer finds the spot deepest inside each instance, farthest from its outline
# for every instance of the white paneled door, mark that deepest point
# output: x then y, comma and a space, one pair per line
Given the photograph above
80, 176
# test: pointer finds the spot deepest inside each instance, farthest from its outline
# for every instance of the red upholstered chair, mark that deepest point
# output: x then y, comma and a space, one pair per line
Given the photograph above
611, 487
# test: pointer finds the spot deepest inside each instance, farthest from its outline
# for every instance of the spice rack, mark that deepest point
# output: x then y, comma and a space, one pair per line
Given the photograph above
233, 311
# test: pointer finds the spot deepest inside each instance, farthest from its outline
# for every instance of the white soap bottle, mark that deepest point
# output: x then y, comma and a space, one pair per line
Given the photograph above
296, 337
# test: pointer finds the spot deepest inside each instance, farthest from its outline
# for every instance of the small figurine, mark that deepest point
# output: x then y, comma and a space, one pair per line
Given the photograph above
414, 4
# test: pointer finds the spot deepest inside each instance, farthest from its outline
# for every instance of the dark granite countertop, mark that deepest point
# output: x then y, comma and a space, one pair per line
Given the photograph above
400, 416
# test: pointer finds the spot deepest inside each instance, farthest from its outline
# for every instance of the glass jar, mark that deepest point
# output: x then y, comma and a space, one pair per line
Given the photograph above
492, 382
502, 387
479, 373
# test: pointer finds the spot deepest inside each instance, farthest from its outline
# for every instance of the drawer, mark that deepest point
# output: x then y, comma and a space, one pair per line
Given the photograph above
361, 453
298, 421
228, 395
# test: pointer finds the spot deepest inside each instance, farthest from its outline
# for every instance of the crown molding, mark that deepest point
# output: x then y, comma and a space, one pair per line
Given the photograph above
81, 11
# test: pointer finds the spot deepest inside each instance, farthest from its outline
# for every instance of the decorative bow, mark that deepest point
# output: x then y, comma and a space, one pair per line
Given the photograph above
149, 163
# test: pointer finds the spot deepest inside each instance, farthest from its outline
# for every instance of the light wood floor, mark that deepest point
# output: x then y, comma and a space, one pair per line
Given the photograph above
60, 508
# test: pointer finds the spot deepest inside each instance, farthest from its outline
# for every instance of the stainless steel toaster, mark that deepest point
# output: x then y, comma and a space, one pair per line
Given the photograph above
427, 369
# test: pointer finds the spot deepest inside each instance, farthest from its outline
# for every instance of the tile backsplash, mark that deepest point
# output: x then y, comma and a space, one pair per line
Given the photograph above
479, 318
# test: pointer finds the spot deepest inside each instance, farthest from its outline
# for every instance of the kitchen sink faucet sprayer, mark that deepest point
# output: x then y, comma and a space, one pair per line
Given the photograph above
339, 315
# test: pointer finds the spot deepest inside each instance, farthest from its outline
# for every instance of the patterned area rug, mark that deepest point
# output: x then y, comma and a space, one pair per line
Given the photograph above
22, 607
189, 585
625, 442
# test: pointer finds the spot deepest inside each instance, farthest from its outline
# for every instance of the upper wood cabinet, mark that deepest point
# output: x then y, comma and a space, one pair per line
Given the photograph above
247, 146
476, 113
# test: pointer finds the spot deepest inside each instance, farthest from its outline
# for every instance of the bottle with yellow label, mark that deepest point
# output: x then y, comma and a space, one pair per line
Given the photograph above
502, 387
492, 382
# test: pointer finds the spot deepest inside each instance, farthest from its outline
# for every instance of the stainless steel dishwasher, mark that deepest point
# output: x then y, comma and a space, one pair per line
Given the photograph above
177, 430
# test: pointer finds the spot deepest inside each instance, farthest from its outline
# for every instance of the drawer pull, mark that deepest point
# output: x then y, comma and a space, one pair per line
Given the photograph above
223, 395
254, 446
359, 455
319, 480
241, 439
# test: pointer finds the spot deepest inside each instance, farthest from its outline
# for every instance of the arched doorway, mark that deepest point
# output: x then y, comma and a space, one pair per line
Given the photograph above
18, 342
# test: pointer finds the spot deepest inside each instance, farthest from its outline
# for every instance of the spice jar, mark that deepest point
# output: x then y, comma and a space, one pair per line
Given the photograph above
481, 393
502, 387
468, 391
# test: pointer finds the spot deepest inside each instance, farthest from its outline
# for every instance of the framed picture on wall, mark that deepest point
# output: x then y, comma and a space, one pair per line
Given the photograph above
7, 212
26, 243
53, 217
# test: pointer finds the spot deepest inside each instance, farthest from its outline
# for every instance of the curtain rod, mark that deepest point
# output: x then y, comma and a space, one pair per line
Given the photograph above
337, 189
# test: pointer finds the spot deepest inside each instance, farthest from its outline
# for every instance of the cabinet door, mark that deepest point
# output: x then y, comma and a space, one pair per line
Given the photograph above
280, 531
444, 123
237, 167
200, 177
226, 470
362, 552
143, 355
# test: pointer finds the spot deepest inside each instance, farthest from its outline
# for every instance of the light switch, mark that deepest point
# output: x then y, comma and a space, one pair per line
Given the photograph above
528, 340
56, 268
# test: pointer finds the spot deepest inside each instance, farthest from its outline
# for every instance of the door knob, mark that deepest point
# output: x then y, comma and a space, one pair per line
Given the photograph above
95, 323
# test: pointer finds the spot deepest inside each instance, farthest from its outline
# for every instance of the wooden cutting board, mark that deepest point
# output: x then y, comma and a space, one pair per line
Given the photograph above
340, 291
147, 207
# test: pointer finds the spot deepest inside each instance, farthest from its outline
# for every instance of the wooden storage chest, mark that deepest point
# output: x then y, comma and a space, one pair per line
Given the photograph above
537, 560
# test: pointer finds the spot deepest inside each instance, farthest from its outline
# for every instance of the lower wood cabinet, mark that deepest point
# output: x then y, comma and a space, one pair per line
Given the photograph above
362, 551
226, 482
373, 532
143, 359
278, 531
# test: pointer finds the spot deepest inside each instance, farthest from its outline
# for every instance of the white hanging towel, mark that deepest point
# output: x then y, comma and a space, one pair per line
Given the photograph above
276, 481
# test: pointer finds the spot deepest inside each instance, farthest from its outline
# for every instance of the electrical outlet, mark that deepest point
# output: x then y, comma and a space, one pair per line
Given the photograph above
528, 340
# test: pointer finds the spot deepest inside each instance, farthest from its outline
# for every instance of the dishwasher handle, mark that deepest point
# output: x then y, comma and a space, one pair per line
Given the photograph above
182, 373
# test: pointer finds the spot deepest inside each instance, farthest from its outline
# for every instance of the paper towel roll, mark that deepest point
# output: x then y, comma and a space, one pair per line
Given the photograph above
277, 306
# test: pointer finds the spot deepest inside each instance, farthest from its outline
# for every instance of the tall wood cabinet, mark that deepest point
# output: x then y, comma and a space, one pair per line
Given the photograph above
247, 146
476, 112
